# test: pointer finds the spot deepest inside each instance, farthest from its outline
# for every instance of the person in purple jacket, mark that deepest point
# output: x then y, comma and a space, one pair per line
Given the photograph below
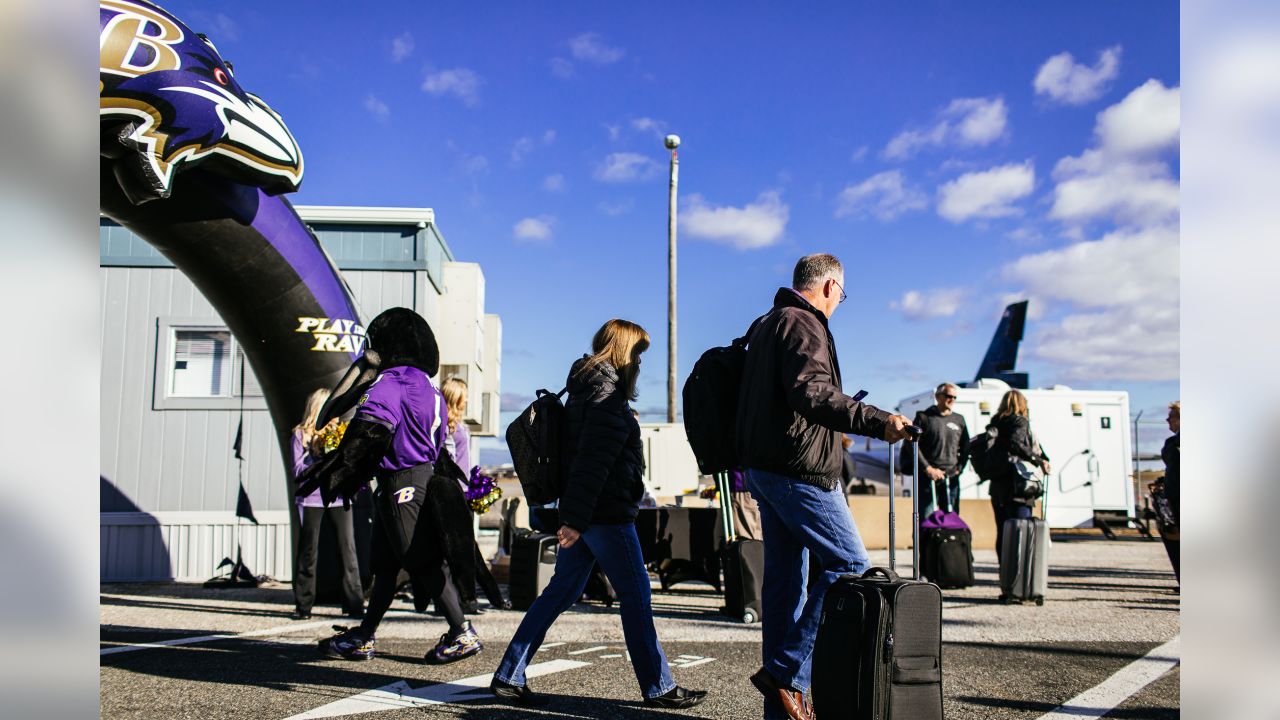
307, 448
398, 436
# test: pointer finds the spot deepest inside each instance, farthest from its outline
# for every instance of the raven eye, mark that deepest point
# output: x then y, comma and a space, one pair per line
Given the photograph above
220, 76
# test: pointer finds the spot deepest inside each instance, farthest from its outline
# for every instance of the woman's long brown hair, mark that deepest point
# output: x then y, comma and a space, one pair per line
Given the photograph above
1013, 403
619, 343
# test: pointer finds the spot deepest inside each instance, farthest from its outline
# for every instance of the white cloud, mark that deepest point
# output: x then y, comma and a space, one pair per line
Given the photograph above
615, 131
561, 68
858, 154
755, 225
460, 82
534, 229
616, 209
522, 147
965, 122
883, 195
592, 48
375, 106
1147, 120
657, 128
939, 303
401, 47
1121, 179
1096, 185
1124, 315
553, 183
986, 194
1065, 82
548, 137
626, 167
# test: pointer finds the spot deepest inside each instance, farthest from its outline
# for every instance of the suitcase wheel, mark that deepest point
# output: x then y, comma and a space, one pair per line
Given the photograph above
749, 617
1040, 601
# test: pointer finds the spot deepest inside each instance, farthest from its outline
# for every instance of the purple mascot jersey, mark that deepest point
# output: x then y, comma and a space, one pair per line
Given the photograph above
403, 400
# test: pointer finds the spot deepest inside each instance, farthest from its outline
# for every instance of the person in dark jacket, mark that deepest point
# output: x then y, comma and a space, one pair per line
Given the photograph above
598, 506
1015, 442
944, 451
1171, 484
791, 413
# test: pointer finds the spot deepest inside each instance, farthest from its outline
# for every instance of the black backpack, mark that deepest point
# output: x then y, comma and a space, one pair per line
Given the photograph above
534, 441
980, 456
711, 404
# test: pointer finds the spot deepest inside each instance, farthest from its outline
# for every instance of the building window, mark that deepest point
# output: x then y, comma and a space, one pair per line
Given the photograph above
199, 366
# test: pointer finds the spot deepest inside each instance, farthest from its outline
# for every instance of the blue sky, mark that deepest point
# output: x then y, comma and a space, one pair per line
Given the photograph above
955, 156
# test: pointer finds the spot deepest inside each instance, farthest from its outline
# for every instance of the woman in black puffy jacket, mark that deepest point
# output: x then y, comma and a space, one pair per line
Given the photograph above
1015, 442
598, 505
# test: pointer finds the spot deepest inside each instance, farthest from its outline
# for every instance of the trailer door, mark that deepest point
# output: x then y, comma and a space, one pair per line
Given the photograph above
1106, 442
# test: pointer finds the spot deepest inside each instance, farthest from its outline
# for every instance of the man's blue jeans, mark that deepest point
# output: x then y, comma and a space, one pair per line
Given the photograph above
799, 520
617, 549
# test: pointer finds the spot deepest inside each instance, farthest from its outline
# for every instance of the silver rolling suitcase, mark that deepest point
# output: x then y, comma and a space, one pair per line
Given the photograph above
1024, 560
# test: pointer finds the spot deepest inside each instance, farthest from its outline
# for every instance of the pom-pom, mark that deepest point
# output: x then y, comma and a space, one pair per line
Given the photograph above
482, 492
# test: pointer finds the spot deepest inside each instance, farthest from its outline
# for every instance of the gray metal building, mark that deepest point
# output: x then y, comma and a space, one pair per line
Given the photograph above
171, 404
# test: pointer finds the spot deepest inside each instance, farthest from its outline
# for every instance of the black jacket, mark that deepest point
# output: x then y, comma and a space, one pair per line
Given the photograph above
602, 450
1171, 454
791, 408
944, 444
1013, 442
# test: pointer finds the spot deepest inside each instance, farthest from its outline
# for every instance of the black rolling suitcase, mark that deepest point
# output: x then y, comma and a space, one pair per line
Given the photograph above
743, 563
878, 654
533, 562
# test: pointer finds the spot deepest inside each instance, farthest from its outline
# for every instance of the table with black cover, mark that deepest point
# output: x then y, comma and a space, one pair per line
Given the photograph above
681, 543
678, 543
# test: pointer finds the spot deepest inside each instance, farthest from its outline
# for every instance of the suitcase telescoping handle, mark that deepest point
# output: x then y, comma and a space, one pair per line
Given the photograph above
913, 434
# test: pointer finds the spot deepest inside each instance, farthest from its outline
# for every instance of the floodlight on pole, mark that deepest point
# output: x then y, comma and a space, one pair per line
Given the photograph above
671, 142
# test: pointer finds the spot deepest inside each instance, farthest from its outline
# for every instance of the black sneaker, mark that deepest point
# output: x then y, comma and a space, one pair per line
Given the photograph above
677, 699
348, 645
517, 694
453, 648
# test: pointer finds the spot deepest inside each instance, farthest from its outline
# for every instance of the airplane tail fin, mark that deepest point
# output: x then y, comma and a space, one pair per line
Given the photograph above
1002, 353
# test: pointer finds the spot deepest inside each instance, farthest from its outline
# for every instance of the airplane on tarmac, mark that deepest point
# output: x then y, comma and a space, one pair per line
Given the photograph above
872, 462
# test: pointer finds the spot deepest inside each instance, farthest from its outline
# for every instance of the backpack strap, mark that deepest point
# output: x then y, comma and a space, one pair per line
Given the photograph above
746, 337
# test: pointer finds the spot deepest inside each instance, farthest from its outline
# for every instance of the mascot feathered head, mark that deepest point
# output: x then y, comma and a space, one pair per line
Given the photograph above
398, 336
401, 336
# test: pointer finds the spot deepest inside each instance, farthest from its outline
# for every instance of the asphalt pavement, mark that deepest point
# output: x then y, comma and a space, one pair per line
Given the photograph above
1104, 644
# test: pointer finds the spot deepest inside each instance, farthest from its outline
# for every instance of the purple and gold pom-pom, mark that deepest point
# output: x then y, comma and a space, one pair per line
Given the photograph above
482, 492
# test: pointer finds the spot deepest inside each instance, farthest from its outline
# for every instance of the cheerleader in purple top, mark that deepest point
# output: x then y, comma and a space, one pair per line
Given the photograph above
308, 446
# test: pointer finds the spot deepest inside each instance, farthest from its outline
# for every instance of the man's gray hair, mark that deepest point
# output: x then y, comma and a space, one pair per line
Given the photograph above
944, 387
812, 270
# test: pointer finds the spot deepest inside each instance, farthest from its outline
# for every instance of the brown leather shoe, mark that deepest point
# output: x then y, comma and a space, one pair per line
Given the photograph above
792, 700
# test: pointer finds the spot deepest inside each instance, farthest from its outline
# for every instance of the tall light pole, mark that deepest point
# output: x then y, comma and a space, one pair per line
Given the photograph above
672, 142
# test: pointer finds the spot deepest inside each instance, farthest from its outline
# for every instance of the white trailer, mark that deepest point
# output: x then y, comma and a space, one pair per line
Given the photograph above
670, 466
1086, 434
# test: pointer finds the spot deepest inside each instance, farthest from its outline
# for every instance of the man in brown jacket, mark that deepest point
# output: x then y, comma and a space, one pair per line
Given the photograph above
792, 411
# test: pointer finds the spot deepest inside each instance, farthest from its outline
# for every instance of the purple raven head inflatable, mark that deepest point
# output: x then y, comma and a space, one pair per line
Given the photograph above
168, 101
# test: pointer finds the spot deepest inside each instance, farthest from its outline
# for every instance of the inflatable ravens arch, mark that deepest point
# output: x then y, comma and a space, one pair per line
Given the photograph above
196, 165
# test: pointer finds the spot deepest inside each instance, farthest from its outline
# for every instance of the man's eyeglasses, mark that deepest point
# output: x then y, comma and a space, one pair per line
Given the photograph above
948, 397
843, 296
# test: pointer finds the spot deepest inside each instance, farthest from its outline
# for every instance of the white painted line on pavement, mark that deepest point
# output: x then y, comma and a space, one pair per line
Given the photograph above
279, 630
603, 657
583, 651
696, 663
399, 695
549, 645
1110, 693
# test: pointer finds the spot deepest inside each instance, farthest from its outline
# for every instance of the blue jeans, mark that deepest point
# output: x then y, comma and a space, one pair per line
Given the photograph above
799, 519
617, 549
